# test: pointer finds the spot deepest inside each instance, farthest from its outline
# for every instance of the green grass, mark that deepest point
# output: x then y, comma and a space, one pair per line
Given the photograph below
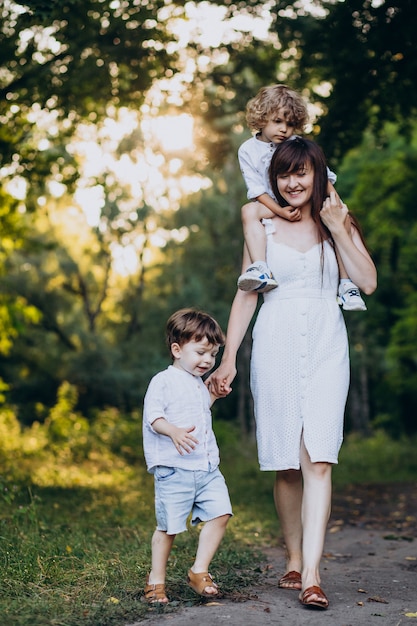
75, 538
378, 459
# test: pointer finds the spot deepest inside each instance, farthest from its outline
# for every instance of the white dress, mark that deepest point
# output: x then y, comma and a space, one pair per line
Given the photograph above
300, 359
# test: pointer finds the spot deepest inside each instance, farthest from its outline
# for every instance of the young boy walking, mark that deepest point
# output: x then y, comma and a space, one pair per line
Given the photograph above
182, 453
275, 114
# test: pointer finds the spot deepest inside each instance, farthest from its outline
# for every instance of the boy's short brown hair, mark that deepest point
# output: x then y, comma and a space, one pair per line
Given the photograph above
190, 324
275, 99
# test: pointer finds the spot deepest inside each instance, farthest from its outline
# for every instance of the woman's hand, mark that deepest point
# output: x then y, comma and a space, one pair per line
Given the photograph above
220, 380
333, 213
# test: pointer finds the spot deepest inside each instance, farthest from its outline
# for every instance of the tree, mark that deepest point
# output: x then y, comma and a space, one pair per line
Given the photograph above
84, 55
357, 60
380, 188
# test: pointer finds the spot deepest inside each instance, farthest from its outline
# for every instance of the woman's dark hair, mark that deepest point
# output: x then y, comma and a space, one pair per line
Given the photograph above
292, 156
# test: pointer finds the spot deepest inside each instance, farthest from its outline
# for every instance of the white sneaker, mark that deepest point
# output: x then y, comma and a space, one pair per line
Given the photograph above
257, 278
350, 297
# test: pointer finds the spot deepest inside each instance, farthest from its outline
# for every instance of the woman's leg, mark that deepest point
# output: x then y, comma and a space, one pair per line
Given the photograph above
288, 493
315, 514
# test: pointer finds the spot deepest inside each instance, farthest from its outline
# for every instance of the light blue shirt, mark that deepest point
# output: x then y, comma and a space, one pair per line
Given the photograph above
184, 400
254, 160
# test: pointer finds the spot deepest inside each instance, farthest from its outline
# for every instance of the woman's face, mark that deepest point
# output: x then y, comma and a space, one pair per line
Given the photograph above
297, 188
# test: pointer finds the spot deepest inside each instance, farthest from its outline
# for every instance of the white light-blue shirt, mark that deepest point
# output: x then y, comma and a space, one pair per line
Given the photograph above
184, 400
254, 159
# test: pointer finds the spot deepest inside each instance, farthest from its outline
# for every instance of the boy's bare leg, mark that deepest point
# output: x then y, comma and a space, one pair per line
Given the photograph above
161, 549
254, 231
210, 538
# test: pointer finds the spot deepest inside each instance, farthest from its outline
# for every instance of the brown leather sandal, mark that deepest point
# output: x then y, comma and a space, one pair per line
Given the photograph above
290, 580
155, 594
320, 603
198, 583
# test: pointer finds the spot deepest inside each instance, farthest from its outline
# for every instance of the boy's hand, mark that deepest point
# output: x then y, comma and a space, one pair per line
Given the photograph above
290, 214
183, 440
180, 437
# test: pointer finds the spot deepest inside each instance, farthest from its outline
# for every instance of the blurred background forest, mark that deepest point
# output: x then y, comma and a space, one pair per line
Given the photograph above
121, 192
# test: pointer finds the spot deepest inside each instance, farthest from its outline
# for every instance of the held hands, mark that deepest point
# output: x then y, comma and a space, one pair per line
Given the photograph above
219, 381
334, 212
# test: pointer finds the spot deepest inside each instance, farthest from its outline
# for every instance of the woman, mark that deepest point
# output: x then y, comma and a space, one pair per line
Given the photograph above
300, 361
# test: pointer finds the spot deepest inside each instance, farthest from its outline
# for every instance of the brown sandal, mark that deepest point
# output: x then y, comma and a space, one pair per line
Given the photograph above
321, 603
198, 583
290, 580
155, 594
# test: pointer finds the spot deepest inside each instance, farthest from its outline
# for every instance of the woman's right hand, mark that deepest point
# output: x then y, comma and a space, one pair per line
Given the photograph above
220, 380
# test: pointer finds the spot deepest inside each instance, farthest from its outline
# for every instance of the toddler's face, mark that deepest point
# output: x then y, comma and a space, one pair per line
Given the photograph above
195, 357
278, 129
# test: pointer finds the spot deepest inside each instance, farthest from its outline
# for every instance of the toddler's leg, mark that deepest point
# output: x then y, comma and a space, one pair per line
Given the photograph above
210, 538
257, 277
254, 231
155, 583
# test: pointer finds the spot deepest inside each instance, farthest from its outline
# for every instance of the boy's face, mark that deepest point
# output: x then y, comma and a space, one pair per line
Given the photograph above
195, 357
278, 129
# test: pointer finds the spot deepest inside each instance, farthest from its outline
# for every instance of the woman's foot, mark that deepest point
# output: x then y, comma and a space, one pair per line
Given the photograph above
314, 597
290, 580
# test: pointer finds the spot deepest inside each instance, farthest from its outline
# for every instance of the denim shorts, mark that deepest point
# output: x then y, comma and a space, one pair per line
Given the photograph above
179, 492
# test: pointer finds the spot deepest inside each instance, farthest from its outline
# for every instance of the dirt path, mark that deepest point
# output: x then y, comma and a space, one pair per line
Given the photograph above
369, 571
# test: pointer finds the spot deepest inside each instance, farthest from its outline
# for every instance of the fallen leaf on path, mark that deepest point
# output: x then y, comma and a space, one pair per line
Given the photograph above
378, 599
398, 538
410, 614
362, 591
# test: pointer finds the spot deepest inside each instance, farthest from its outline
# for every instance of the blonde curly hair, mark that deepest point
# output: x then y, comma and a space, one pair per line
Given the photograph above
273, 100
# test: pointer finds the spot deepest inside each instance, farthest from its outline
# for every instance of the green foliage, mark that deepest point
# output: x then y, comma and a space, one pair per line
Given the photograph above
71, 327
379, 187
96, 53
377, 459
363, 52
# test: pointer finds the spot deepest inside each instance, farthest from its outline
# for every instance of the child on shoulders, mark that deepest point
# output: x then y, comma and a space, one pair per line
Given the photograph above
276, 113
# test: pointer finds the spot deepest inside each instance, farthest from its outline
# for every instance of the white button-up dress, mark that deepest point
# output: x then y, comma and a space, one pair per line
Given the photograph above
300, 359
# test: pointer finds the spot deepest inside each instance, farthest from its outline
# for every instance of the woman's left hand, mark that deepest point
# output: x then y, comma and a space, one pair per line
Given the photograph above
333, 212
